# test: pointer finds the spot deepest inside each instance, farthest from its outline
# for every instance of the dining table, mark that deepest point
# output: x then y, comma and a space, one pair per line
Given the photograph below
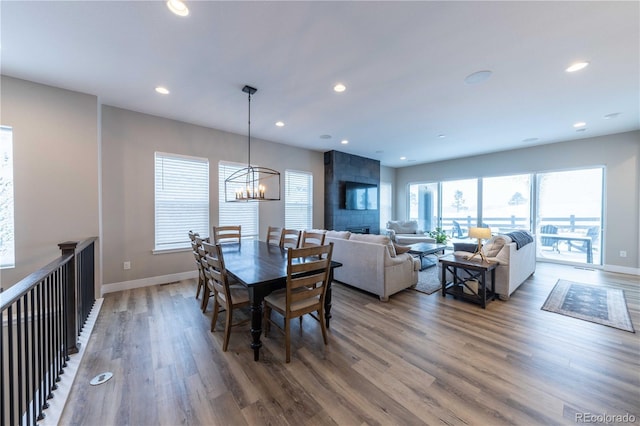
262, 268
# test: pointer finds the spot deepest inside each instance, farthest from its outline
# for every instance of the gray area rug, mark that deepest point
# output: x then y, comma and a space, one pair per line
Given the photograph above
428, 280
599, 304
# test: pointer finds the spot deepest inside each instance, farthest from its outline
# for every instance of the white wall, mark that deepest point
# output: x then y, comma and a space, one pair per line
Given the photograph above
55, 149
619, 153
129, 142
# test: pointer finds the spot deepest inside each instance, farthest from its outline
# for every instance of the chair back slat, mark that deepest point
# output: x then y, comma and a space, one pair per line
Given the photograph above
290, 238
274, 235
227, 234
312, 238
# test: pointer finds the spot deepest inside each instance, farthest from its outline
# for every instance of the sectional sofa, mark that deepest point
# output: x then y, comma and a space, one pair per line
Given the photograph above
369, 262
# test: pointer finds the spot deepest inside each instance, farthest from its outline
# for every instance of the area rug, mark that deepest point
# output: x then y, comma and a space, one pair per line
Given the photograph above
428, 281
599, 304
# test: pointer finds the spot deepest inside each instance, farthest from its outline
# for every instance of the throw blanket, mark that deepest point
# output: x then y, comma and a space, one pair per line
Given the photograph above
521, 238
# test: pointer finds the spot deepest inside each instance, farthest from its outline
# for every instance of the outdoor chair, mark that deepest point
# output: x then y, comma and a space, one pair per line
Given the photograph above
549, 242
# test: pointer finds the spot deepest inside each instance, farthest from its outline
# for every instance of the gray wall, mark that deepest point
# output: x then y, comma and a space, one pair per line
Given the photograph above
55, 149
129, 142
619, 153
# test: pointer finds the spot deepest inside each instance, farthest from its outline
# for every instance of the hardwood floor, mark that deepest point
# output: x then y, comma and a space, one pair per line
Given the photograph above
417, 359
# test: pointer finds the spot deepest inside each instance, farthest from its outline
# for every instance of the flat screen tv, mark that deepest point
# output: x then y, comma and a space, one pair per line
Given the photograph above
360, 196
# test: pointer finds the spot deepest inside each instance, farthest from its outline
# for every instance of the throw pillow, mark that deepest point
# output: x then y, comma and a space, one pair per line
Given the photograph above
392, 249
494, 245
401, 249
468, 247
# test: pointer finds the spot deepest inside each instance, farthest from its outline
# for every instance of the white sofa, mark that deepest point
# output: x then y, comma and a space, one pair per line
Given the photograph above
407, 232
516, 265
369, 262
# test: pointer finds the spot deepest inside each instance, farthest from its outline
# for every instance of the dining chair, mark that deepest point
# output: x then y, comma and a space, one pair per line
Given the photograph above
312, 238
226, 296
226, 234
290, 238
274, 234
307, 280
194, 248
204, 248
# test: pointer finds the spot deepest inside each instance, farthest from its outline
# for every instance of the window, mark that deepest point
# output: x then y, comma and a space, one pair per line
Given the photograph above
236, 213
386, 204
459, 206
506, 203
569, 204
7, 243
423, 205
298, 200
181, 199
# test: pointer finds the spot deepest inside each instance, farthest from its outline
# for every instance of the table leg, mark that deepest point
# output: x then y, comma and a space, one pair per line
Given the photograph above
483, 277
327, 299
256, 297
443, 280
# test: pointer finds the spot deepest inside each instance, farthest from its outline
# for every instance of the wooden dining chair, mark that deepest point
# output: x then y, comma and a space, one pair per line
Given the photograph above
226, 296
194, 248
290, 238
312, 238
274, 234
307, 280
227, 234
204, 248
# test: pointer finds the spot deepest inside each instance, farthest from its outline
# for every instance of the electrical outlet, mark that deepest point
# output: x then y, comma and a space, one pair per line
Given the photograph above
623, 253
126, 265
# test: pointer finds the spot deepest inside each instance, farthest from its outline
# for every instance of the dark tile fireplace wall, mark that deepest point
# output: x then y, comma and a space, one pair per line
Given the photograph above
339, 168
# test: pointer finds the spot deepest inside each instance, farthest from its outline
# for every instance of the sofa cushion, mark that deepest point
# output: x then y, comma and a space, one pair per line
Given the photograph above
343, 235
468, 247
493, 246
401, 249
403, 227
375, 239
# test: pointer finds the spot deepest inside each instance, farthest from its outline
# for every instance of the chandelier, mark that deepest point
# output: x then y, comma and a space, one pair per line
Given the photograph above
252, 183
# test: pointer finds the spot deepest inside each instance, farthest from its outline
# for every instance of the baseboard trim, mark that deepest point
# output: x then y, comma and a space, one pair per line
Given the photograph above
146, 282
622, 269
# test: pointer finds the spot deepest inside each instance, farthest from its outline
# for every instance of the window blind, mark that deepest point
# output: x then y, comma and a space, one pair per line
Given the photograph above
298, 198
181, 199
236, 213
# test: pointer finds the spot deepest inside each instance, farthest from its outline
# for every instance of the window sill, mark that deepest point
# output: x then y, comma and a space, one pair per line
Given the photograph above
171, 250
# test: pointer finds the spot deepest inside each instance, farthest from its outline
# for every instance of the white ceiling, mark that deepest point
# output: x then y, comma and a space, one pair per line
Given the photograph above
403, 63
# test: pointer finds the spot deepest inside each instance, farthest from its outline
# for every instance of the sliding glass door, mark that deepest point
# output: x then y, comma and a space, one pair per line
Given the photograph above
459, 207
506, 203
423, 205
569, 215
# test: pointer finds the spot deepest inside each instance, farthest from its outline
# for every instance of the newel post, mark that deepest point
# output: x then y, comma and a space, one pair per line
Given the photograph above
70, 285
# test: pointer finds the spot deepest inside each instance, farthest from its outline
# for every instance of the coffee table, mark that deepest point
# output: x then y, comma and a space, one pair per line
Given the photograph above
424, 249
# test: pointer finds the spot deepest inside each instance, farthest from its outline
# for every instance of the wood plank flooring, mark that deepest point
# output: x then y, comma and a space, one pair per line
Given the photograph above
417, 359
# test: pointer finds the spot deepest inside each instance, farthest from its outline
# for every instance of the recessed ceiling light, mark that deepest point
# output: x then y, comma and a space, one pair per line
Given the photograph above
612, 115
162, 90
279, 124
344, 141
530, 140
339, 87
478, 77
178, 7
325, 136
379, 151
403, 158
579, 124
581, 130
441, 136
577, 66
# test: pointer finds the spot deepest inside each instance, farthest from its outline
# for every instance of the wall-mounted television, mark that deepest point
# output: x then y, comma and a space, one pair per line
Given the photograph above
360, 196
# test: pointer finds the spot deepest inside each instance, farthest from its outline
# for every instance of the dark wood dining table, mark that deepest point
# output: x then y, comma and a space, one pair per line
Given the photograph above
262, 268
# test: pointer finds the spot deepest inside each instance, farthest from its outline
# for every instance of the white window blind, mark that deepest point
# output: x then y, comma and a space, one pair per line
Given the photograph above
298, 198
181, 199
7, 237
236, 213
